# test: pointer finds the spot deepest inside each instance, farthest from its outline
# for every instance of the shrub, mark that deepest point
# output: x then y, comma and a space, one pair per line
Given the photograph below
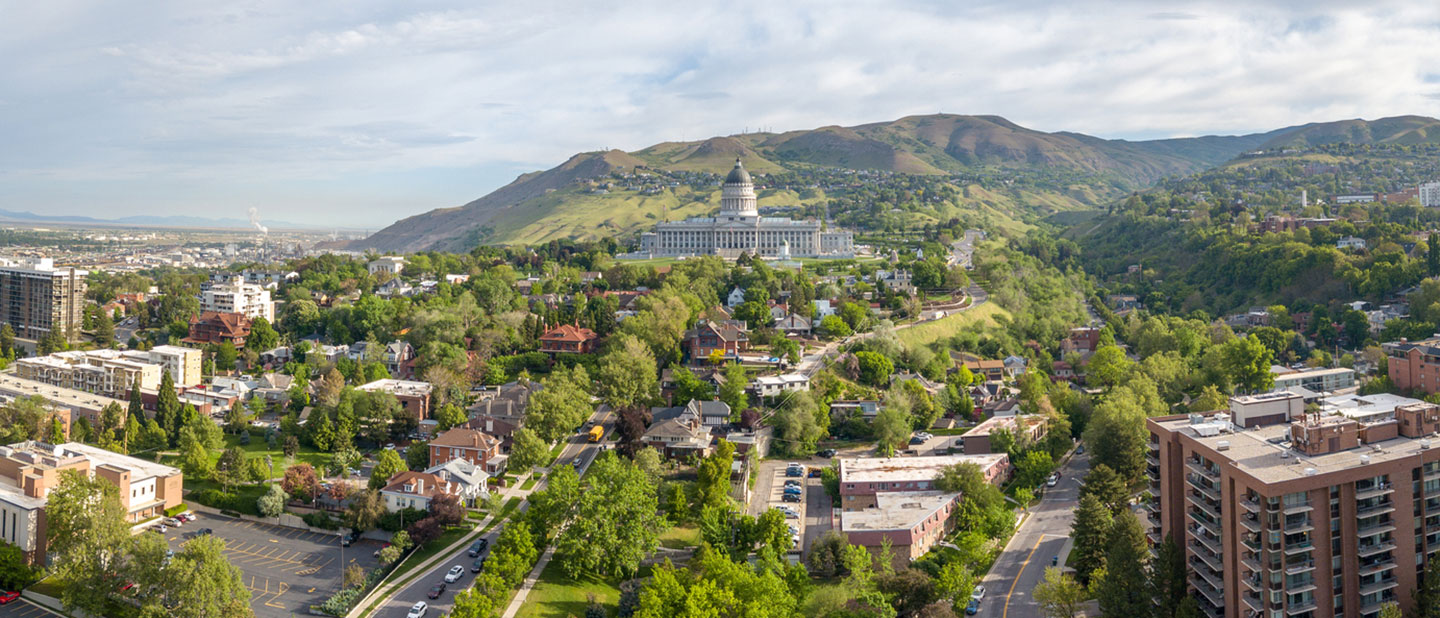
216, 499
339, 604
398, 520
176, 510
321, 520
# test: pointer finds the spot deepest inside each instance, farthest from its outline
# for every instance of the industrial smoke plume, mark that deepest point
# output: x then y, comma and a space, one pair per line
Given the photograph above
255, 221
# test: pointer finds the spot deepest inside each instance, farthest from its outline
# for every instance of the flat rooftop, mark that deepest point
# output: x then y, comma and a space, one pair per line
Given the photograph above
896, 510
1365, 407
1264, 453
139, 468
399, 387
876, 469
1004, 422
20, 387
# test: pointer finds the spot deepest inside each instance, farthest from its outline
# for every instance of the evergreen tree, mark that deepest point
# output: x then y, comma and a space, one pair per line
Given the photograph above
7, 340
167, 408
134, 414
732, 392
1106, 485
1091, 531
1167, 579
1427, 594
1432, 259
322, 431
1125, 554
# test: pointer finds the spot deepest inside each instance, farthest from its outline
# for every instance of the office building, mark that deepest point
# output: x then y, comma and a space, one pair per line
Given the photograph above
1320, 515
113, 373
1324, 380
236, 296
37, 298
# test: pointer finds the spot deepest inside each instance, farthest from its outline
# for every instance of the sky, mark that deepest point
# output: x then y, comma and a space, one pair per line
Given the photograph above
357, 113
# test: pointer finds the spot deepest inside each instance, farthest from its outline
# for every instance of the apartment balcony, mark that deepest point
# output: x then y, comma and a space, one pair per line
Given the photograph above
1380, 586
1210, 541
1248, 561
1206, 572
1432, 475
1154, 536
1253, 582
1299, 608
1196, 516
1375, 527
1296, 548
1250, 522
1253, 601
1300, 567
1298, 527
1298, 508
1152, 516
1249, 505
1202, 504
1210, 558
1301, 588
1215, 596
1370, 549
1378, 567
1378, 509
1250, 541
1199, 485
1153, 447
1373, 491
1202, 470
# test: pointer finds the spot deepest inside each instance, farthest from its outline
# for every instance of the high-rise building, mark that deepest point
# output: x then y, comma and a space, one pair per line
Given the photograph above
236, 296
1314, 515
37, 298
1429, 194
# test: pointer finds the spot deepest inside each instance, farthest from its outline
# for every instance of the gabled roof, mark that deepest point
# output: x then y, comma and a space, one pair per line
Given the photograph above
569, 333
460, 437
421, 484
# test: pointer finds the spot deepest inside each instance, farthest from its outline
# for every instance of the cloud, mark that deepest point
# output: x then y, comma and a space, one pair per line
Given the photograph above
373, 110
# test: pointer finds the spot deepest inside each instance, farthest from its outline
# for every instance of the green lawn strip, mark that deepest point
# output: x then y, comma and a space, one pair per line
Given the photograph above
258, 448
679, 537
556, 595
425, 553
555, 453
530, 482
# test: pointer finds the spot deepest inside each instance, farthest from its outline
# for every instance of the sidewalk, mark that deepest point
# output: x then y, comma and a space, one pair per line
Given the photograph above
530, 580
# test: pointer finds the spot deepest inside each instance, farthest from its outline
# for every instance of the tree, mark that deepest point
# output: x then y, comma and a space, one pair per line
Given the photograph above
1108, 365
797, 431
527, 451
387, 464
1248, 362
85, 529
1167, 578
225, 355
291, 445
732, 392
875, 368
1125, 553
1427, 594
1210, 399
447, 510
1090, 531
1059, 595
321, 430
616, 522
262, 336
954, 583
301, 482
272, 504
167, 408
7, 341
194, 457
712, 487
561, 405
1108, 487
365, 510
201, 582
450, 416
832, 327
424, 531
1033, 467
104, 331
892, 429
1390, 610
15, 573
648, 459
627, 373
688, 387
1117, 437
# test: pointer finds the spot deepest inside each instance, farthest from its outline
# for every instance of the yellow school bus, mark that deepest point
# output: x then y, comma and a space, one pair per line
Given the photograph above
596, 433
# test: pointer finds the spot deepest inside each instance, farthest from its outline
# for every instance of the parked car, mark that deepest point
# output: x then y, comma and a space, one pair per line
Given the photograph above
917, 440
479, 564
794, 489
793, 530
186, 516
1053, 480
1080, 449
377, 552
978, 594
437, 590
972, 608
795, 470
787, 510
171, 521
795, 542
827, 453
792, 483
456, 572
790, 497
816, 473
350, 538
478, 546
417, 610
8, 596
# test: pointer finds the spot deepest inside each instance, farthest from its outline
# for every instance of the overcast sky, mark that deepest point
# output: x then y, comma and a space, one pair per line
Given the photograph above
358, 113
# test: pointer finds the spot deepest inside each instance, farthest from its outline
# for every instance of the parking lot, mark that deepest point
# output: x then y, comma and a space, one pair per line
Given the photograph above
286, 569
24, 609
812, 509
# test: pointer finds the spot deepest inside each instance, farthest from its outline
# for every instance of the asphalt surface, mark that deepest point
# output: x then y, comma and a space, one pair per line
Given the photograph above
1043, 536
418, 589
816, 509
20, 608
286, 569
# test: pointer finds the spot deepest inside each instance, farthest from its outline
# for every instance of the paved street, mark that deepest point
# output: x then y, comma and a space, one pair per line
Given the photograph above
1043, 536
419, 587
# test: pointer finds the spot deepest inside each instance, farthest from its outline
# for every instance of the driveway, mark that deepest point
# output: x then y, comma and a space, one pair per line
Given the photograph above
1044, 535
286, 569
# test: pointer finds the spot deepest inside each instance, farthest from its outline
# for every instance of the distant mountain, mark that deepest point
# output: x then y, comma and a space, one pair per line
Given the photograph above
149, 221
538, 205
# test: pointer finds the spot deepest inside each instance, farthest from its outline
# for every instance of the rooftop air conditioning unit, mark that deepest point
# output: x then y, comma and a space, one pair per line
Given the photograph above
1310, 471
1424, 444
1364, 460
1223, 445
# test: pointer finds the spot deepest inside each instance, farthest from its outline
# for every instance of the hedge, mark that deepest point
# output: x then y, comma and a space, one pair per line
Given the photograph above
176, 510
322, 520
392, 522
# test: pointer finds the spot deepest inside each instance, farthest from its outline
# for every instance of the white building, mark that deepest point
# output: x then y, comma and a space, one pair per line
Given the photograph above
739, 229
182, 363
1350, 242
1430, 194
236, 296
770, 386
1323, 380
392, 264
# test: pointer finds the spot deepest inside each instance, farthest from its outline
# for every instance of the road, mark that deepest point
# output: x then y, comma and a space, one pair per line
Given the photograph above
418, 588
1044, 535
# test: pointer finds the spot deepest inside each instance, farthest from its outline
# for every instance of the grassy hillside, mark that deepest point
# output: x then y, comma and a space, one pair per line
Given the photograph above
948, 326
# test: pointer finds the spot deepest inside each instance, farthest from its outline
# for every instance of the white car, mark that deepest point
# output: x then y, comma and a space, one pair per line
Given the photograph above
1053, 480
456, 572
979, 593
418, 610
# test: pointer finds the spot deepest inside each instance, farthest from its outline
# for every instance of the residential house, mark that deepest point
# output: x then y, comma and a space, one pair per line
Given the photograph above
1015, 365
736, 298
772, 386
414, 490
986, 369
715, 376
568, 339
728, 337
390, 264
469, 444
468, 481
843, 409
794, 325
907, 524
414, 396
1082, 340
678, 432
216, 327
399, 359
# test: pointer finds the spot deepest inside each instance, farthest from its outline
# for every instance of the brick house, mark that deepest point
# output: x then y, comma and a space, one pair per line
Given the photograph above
469, 444
727, 336
218, 327
568, 339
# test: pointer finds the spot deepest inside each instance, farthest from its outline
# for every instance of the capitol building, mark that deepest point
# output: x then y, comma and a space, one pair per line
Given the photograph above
738, 229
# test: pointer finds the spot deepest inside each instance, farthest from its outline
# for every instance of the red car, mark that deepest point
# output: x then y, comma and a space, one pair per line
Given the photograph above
6, 597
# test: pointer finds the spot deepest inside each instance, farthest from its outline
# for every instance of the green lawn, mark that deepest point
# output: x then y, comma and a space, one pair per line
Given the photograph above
425, 553
530, 482
258, 448
948, 326
557, 596
678, 537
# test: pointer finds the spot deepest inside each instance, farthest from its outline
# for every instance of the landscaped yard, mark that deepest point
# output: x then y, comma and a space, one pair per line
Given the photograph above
679, 537
258, 448
557, 596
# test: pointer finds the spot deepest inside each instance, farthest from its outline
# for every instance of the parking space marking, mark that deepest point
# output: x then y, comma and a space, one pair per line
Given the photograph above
259, 592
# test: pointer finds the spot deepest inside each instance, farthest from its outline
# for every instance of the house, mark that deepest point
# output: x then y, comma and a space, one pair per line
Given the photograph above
1009, 406
771, 386
469, 481
907, 523
736, 298
414, 490
506, 402
986, 369
395, 287
710, 413
503, 429
1082, 340
747, 440
1026, 429
390, 264
681, 434
1015, 365
728, 337
1350, 242
1061, 370
900, 377
867, 409
714, 376
399, 359
568, 339
414, 396
778, 311
823, 308
217, 327
469, 444
456, 279
794, 325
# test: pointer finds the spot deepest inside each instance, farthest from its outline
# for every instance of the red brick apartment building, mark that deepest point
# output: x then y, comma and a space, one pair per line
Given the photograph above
1414, 365
1317, 516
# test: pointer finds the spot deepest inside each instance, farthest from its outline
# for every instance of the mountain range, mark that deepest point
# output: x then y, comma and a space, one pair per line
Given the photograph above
544, 205
179, 221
